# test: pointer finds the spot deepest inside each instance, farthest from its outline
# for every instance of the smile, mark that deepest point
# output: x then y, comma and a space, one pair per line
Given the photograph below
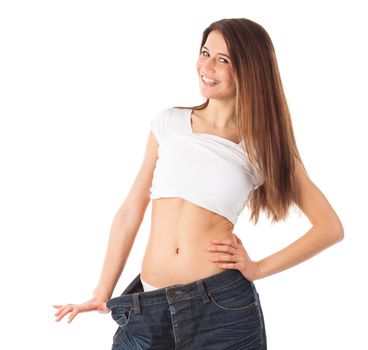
209, 82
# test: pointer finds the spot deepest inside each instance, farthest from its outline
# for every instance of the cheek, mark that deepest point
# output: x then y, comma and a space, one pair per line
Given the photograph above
230, 77
199, 63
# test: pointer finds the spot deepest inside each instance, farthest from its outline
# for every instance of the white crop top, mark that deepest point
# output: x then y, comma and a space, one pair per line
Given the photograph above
205, 169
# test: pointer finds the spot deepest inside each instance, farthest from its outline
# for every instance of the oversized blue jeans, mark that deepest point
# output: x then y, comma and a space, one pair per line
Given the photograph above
219, 312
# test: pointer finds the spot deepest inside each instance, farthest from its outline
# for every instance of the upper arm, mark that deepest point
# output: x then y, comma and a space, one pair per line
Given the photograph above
138, 197
314, 204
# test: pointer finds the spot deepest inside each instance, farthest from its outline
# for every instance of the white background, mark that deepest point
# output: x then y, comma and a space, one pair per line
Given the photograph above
80, 82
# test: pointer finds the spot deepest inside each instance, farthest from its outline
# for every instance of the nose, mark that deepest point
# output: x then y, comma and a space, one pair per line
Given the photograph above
209, 66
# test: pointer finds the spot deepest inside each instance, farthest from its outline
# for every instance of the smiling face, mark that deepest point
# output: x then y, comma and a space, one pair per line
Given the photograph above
214, 63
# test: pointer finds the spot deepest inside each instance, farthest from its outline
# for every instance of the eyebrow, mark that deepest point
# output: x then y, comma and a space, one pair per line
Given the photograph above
204, 47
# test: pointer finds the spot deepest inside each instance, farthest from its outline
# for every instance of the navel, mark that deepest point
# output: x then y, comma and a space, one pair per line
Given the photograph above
177, 250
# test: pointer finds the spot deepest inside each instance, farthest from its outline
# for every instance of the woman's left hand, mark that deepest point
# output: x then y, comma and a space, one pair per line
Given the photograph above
237, 257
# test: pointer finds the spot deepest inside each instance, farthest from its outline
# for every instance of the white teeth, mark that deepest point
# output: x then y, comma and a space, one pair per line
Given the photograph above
209, 81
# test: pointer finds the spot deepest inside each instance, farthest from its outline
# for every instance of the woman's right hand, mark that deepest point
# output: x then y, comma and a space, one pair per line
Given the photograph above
94, 304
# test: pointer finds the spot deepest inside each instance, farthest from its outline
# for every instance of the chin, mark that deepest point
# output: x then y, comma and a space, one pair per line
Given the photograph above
207, 95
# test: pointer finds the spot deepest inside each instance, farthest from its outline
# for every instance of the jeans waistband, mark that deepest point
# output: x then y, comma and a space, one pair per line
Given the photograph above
132, 297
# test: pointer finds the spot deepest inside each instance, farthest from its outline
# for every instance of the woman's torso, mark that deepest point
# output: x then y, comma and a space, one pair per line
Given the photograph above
180, 234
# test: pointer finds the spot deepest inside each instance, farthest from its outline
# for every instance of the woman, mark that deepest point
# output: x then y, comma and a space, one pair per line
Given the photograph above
202, 165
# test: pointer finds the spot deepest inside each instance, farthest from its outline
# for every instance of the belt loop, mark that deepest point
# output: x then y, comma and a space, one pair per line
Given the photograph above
136, 303
203, 291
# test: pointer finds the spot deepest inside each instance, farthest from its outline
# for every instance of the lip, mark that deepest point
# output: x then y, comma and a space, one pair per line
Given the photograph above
207, 76
209, 85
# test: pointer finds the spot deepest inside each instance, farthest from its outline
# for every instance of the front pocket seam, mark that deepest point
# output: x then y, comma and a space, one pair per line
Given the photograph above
117, 333
225, 285
243, 308
123, 316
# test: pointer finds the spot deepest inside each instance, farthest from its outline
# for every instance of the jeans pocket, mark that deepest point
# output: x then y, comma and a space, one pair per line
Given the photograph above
122, 315
235, 297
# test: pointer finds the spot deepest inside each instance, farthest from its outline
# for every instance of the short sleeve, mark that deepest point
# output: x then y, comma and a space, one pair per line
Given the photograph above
159, 123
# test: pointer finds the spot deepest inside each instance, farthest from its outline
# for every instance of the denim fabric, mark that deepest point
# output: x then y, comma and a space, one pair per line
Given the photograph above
219, 312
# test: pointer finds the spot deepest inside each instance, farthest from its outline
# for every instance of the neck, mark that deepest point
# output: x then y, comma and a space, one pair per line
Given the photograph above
220, 114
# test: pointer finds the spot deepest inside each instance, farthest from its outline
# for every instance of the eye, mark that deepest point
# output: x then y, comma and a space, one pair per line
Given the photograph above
225, 61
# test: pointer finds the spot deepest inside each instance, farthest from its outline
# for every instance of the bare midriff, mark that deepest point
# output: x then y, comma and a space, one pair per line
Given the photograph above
180, 234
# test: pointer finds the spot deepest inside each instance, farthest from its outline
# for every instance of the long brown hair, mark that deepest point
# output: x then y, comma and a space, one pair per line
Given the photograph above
261, 116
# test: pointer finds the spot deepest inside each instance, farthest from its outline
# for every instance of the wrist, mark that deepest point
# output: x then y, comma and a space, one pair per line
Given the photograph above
258, 271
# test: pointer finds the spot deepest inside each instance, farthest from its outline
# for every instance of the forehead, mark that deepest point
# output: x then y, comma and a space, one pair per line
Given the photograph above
216, 42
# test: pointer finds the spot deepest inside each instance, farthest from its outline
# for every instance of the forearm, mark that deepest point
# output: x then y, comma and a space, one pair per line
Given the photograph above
121, 239
318, 238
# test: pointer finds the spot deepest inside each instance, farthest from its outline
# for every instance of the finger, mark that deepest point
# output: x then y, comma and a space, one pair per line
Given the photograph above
59, 307
224, 258
72, 315
60, 310
226, 242
227, 266
223, 248
65, 311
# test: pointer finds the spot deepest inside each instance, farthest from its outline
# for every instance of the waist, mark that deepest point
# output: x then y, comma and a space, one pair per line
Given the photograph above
194, 289
162, 269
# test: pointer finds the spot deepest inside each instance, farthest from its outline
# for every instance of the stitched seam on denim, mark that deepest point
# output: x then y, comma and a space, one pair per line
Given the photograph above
250, 306
262, 326
117, 333
120, 318
225, 285
193, 297
178, 299
199, 296
126, 317
173, 327
255, 292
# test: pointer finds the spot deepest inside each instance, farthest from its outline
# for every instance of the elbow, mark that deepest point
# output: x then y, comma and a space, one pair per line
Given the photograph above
337, 230
333, 230
340, 234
